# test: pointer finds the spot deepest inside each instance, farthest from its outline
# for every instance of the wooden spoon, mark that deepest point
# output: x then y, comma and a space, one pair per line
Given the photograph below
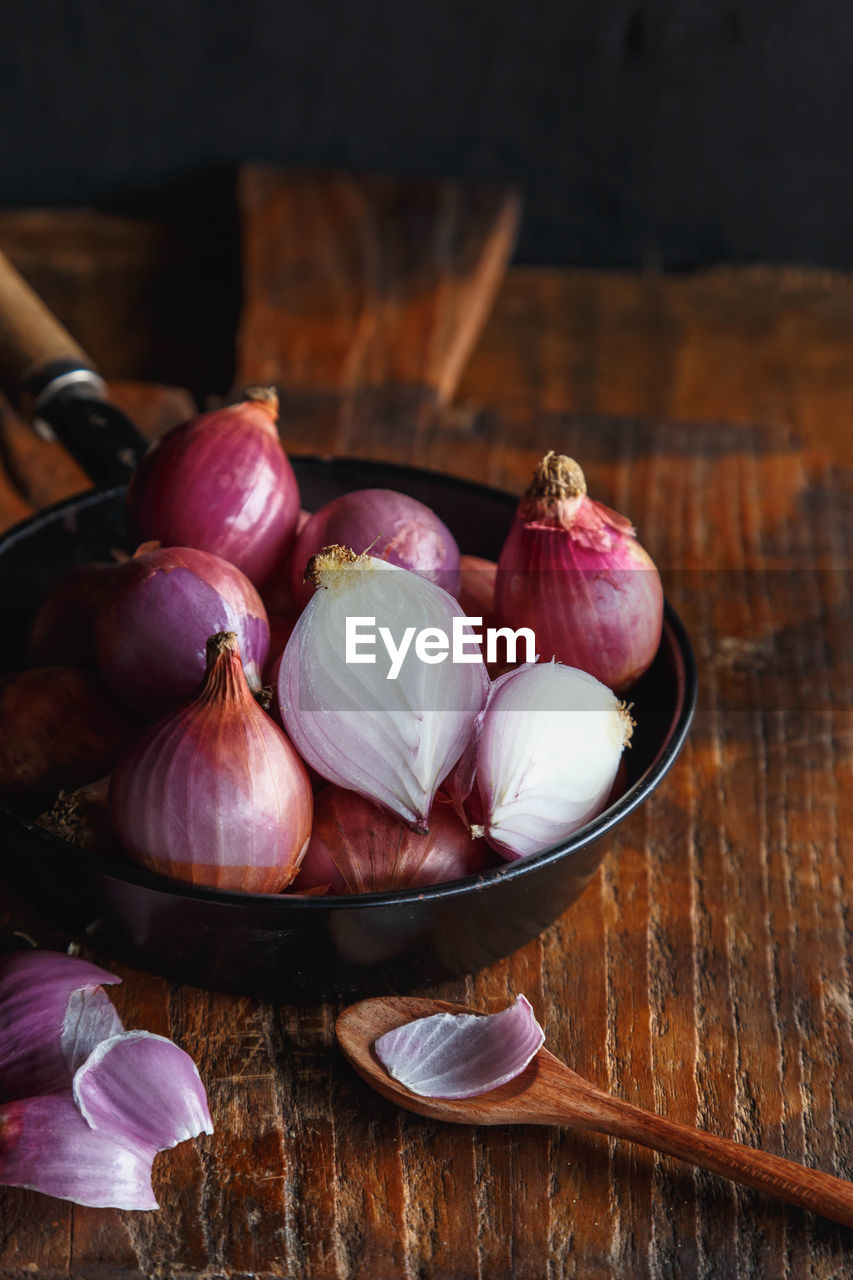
548, 1093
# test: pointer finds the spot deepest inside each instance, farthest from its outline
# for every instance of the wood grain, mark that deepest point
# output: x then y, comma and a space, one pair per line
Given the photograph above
547, 1092
368, 293
705, 972
732, 344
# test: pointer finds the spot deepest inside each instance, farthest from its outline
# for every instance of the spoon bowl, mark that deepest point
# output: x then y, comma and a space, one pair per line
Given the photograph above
547, 1092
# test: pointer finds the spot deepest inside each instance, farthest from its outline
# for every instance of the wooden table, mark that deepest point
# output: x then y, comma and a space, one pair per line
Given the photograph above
706, 970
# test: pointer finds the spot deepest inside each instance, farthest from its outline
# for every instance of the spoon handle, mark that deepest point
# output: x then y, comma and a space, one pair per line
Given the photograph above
795, 1183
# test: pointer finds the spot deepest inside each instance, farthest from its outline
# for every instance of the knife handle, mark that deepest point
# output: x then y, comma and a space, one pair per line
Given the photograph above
35, 349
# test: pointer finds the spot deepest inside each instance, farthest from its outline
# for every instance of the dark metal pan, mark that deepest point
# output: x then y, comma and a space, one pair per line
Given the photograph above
272, 946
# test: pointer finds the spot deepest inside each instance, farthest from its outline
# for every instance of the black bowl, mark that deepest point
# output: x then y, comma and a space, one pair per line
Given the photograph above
295, 949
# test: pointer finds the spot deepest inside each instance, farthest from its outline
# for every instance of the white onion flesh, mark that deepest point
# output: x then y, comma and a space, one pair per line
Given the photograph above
390, 740
546, 756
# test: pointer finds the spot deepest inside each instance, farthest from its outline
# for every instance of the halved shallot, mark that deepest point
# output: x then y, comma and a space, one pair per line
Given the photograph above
543, 758
389, 728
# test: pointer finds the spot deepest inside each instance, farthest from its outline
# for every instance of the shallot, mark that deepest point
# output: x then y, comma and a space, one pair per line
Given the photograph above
572, 570
356, 847
214, 793
62, 629
59, 727
390, 525
391, 723
221, 482
543, 759
151, 631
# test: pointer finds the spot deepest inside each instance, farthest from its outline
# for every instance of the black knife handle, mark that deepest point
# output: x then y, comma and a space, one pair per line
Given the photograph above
51, 380
97, 434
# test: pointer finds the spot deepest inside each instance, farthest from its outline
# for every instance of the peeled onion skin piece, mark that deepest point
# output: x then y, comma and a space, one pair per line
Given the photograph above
144, 1089
151, 632
135, 1094
47, 1146
221, 482
356, 847
215, 794
84, 1104
461, 1055
41, 1023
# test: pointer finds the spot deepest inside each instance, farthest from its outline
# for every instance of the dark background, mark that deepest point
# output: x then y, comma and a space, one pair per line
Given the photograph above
643, 132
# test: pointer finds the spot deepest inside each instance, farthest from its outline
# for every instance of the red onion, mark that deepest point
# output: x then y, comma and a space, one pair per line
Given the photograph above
221, 482
150, 633
391, 525
356, 847
215, 794
59, 727
61, 631
572, 570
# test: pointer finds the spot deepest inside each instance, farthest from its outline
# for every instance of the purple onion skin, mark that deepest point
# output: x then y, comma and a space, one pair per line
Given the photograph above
221, 483
601, 613
394, 526
61, 631
215, 793
356, 847
151, 632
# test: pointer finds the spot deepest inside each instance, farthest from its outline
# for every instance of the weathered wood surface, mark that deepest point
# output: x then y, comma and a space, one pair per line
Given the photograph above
365, 297
734, 344
706, 970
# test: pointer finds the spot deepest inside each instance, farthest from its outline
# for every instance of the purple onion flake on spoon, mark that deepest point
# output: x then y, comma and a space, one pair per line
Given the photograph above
461, 1055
